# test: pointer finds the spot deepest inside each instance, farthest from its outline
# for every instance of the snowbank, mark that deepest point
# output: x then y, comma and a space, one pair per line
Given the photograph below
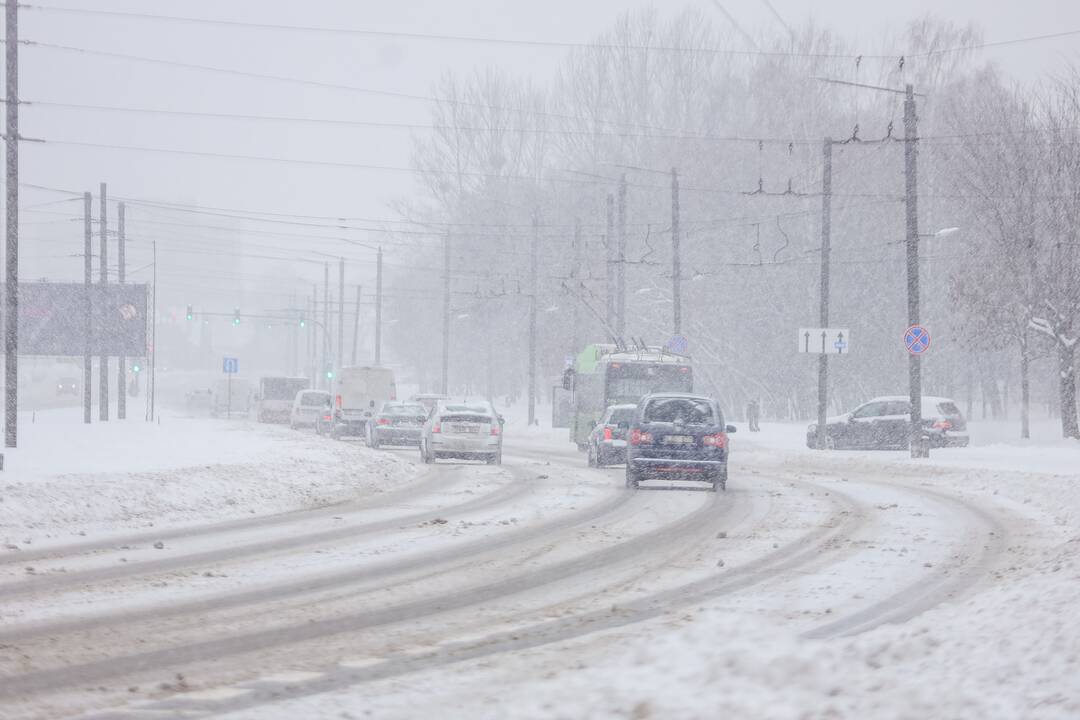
68, 479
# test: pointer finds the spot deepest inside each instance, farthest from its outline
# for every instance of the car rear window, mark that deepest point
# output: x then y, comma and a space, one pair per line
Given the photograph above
687, 411
409, 410
313, 399
622, 415
467, 408
466, 419
948, 408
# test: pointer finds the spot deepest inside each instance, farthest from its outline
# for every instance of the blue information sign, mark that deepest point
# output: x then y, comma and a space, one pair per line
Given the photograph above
230, 366
917, 339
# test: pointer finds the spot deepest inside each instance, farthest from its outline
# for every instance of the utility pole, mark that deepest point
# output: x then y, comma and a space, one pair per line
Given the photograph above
826, 249
676, 260
341, 314
378, 307
575, 311
445, 387
356, 325
11, 292
609, 265
919, 448
533, 258
312, 355
121, 361
620, 316
325, 326
88, 315
153, 338
103, 260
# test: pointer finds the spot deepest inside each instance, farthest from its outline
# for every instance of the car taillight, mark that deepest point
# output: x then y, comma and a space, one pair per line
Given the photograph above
436, 428
383, 421
640, 438
943, 425
607, 433
337, 401
494, 429
718, 441
327, 417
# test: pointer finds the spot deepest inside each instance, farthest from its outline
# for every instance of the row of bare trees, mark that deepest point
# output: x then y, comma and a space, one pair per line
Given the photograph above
509, 164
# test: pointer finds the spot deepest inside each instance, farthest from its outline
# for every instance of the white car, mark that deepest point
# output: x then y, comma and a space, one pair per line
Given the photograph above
464, 430
306, 407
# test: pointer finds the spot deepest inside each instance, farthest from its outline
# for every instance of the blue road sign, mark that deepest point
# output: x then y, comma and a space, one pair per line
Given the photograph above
230, 366
917, 339
678, 344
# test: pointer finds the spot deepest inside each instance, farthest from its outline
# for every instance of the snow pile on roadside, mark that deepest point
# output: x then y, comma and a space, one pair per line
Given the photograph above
68, 479
1011, 652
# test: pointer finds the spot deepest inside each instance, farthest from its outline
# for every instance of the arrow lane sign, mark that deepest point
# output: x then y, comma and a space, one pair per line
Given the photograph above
834, 341
806, 347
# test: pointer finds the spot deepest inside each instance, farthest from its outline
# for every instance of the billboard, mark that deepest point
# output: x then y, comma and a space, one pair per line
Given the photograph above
53, 319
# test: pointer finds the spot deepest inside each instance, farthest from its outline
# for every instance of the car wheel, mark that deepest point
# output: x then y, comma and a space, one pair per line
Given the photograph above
632, 479
498, 457
719, 480
426, 455
374, 443
591, 456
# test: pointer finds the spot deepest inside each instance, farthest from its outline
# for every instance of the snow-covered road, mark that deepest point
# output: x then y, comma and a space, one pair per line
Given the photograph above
543, 588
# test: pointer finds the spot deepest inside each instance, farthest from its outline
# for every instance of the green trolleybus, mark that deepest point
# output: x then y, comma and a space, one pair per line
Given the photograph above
604, 375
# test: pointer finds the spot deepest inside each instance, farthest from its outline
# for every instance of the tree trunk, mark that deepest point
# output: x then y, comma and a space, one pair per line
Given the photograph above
1025, 387
1070, 428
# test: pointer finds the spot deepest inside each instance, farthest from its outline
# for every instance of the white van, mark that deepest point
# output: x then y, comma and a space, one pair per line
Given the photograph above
359, 393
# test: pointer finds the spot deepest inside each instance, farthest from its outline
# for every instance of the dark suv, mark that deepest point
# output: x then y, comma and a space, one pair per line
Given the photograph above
679, 437
883, 424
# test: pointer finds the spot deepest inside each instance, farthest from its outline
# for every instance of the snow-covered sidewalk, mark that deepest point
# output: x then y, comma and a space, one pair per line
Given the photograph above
68, 481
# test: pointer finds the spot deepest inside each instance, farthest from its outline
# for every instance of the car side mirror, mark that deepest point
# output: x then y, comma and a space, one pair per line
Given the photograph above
730, 429
502, 420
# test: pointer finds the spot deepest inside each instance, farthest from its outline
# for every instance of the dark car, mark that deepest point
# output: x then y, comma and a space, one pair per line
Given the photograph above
67, 386
677, 436
397, 423
884, 422
606, 444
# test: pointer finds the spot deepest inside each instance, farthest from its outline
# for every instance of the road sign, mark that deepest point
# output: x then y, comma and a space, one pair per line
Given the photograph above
825, 341
230, 366
917, 339
678, 345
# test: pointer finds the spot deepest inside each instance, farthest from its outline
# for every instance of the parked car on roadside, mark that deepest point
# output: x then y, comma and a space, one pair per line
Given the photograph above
678, 436
307, 406
463, 430
883, 423
606, 444
397, 423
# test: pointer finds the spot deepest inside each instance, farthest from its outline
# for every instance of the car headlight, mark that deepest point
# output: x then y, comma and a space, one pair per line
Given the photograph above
812, 428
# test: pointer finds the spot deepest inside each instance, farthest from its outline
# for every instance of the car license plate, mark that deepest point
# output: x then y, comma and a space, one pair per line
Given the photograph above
679, 440
466, 428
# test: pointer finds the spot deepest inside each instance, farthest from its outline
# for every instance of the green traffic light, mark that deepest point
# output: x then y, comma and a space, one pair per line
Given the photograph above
135, 368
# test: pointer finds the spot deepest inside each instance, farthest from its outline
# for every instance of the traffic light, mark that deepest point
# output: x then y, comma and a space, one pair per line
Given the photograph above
303, 322
329, 373
190, 313
136, 367
236, 316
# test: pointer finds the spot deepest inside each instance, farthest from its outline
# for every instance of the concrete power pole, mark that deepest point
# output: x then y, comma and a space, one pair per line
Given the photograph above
444, 388
341, 315
325, 382
11, 289
620, 314
676, 260
826, 248
609, 264
356, 325
575, 310
533, 258
919, 449
103, 260
88, 280
378, 308
121, 272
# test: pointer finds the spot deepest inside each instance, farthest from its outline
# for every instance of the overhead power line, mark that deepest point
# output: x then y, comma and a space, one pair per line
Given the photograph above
530, 43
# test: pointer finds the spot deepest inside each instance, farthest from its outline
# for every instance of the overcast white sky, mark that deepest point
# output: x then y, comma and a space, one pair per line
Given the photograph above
408, 66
